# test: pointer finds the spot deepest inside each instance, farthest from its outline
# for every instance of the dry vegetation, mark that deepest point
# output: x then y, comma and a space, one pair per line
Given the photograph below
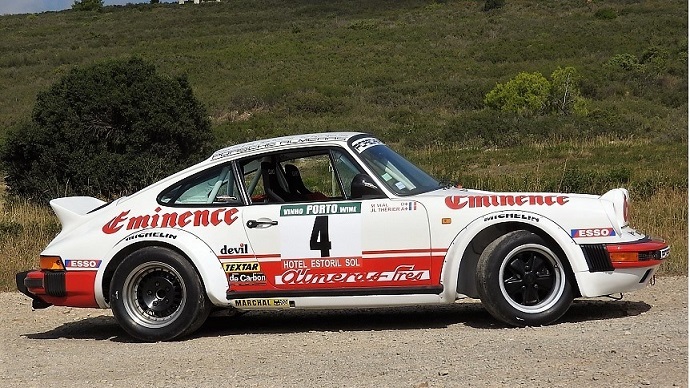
413, 72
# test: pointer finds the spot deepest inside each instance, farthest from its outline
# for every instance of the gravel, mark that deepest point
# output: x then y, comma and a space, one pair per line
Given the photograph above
636, 342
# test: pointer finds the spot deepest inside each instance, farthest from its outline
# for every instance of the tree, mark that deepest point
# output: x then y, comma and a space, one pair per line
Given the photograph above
87, 5
106, 130
564, 89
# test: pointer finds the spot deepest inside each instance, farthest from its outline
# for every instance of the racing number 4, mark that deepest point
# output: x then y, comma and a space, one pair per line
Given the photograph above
319, 237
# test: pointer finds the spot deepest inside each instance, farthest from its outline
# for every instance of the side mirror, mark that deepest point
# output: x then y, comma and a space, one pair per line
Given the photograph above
363, 187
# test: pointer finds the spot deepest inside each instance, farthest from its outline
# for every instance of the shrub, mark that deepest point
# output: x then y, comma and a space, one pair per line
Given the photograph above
493, 4
606, 14
87, 5
106, 130
527, 94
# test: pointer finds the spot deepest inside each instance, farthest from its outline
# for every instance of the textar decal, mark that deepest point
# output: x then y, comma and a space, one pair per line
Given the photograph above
457, 202
247, 267
171, 220
592, 232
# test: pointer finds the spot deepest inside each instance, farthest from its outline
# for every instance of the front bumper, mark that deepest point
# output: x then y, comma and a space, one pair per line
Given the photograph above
620, 267
645, 253
59, 288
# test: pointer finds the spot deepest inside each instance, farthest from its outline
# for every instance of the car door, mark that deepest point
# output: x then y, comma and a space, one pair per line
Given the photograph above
325, 242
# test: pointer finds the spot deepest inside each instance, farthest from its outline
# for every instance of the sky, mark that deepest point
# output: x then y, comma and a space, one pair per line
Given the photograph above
10, 7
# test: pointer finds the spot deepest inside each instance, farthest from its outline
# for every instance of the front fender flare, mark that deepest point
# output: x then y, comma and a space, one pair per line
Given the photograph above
466, 247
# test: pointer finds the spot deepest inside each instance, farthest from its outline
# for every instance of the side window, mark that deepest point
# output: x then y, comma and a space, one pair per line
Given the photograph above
214, 186
253, 180
346, 170
299, 176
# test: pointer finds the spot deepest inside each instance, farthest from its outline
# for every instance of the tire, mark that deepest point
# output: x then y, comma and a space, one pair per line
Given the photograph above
157, 295
522, 282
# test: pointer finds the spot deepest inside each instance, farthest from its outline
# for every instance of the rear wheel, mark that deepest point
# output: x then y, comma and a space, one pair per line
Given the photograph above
522, 282
156, 295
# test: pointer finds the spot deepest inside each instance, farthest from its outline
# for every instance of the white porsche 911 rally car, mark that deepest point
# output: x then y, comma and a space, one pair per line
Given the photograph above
332, 220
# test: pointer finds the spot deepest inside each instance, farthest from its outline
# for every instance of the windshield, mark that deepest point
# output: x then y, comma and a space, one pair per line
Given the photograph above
396, 172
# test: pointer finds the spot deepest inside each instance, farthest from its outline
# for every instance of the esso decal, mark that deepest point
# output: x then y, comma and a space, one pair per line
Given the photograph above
84, 264
593, 232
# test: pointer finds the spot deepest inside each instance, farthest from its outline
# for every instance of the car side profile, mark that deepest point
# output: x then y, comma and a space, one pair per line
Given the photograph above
332, 220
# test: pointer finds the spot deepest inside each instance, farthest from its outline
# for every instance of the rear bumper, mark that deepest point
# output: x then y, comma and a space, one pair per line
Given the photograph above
59, 288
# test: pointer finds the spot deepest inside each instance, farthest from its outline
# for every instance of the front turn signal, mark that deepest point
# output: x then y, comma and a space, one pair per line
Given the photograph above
624, 256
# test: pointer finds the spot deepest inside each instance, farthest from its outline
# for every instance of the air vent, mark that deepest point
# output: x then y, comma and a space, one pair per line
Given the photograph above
597, 257
54, 283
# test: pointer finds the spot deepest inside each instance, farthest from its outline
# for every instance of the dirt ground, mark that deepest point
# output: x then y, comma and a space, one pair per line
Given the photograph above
639, 341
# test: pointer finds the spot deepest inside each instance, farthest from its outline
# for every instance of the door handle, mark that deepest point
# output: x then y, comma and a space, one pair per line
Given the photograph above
254, 223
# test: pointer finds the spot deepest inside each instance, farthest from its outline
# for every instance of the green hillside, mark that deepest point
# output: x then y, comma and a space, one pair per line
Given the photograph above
414, 73
410, 70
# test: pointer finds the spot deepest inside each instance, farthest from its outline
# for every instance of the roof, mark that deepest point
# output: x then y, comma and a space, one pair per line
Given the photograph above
278, 142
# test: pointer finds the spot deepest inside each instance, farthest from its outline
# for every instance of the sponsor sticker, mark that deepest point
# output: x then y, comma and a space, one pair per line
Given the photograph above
457, 202
262, 303
331, 262
509, 216
242, 249
321, 209
247, 278
402, 273
151, 235
222, 216
592, 232
244, 267
363, 144
82, 264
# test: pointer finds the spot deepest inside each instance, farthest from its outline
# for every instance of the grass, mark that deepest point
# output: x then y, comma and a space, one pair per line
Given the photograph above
413, 72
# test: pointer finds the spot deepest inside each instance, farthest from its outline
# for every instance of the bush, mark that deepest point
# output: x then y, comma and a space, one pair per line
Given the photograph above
527, 94
87, 5
606, 14
493, 4
106, 130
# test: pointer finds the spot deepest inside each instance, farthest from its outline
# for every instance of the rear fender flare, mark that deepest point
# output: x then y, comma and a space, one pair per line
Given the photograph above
193, 248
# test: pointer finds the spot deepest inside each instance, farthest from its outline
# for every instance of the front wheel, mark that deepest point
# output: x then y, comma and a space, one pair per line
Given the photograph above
522, 282
156, 295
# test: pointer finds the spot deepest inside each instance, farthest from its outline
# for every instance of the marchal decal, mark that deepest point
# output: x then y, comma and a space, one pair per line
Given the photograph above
262, 303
